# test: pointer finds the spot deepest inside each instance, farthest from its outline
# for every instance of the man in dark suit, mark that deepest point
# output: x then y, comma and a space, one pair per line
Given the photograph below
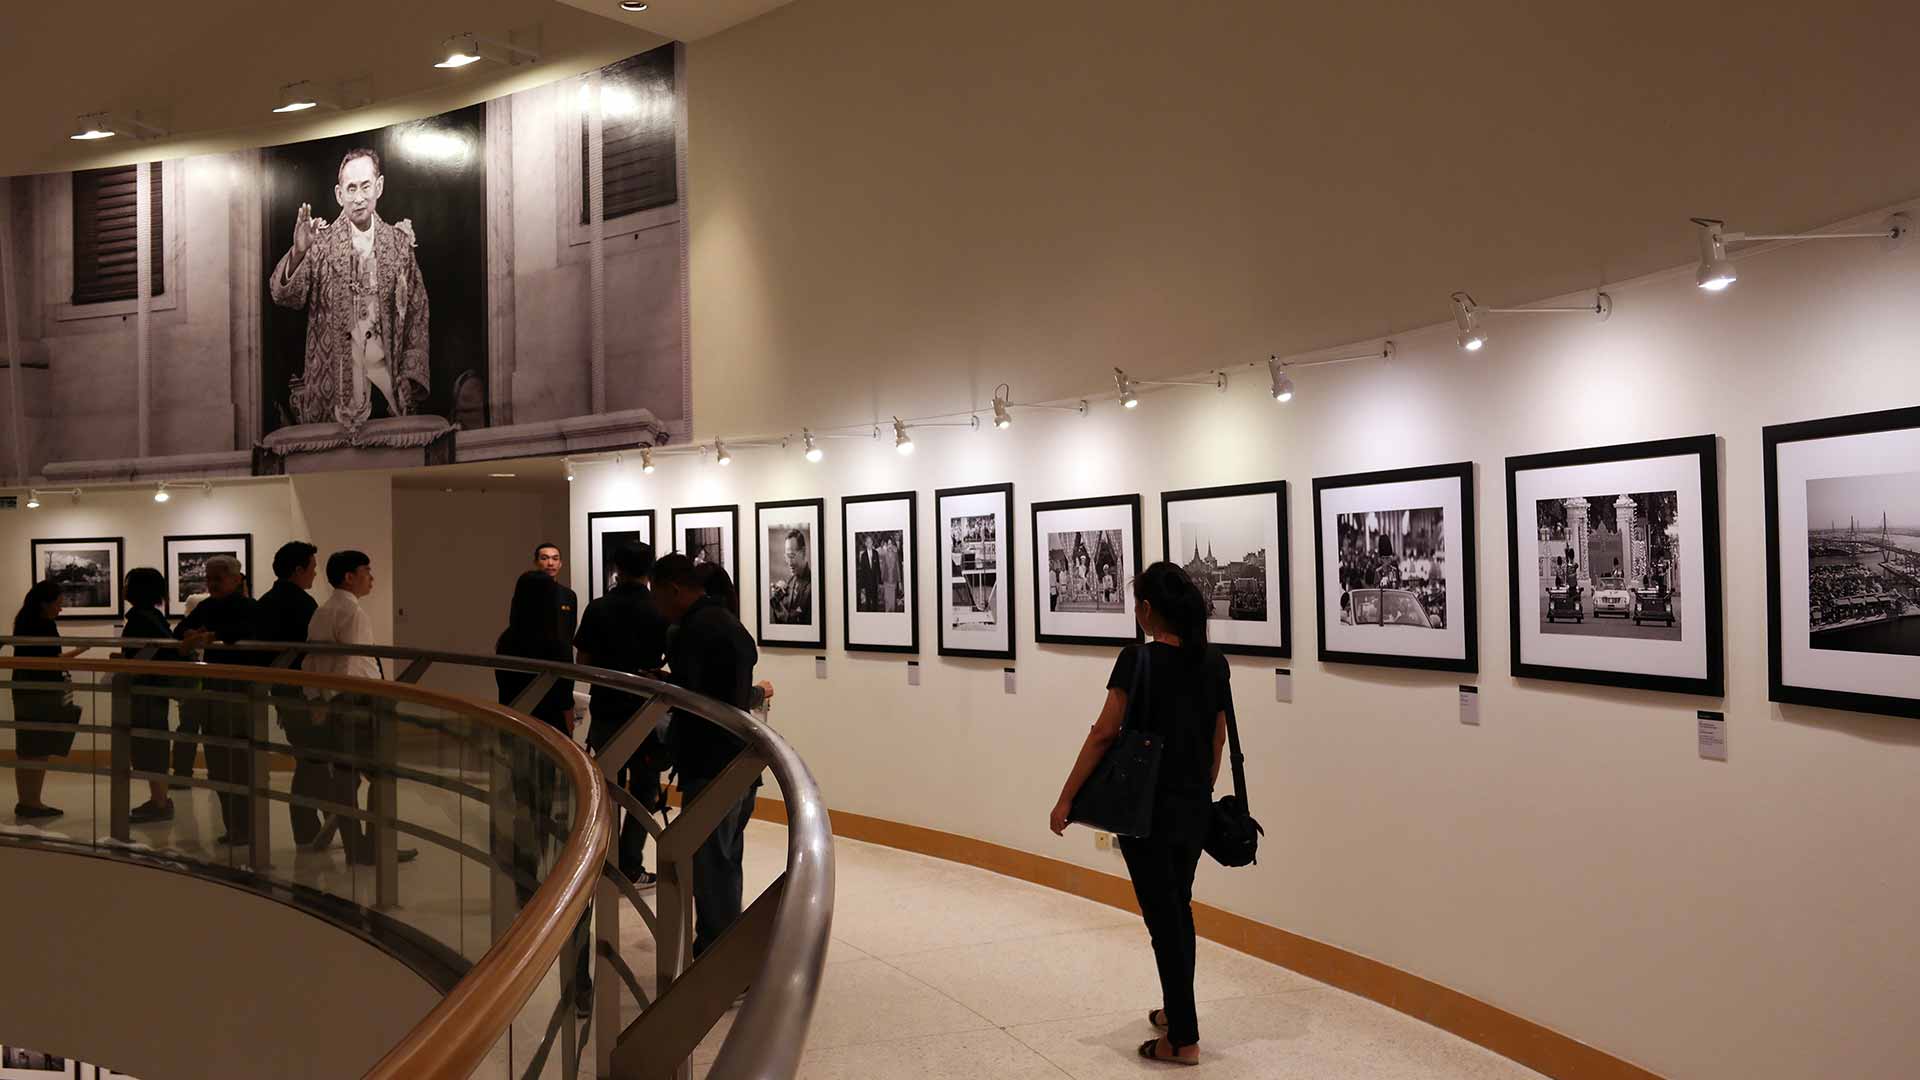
546, 559
228, 614
623, 631
283, 615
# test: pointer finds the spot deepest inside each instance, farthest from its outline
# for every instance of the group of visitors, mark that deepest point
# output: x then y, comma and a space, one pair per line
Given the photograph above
315, 719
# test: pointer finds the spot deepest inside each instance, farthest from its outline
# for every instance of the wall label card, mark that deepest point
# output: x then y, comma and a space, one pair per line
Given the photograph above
819, 667
1713, 735
1007, 674
913, 673
1283, 686
1470, 705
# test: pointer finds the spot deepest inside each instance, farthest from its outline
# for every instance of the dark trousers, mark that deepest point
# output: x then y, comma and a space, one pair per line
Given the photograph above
191, 713
639, 781
229, 719
311, 779
146, 714
1162, 871
717, 868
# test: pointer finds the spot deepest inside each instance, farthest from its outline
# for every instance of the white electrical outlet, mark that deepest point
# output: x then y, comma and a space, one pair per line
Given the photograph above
1103, 841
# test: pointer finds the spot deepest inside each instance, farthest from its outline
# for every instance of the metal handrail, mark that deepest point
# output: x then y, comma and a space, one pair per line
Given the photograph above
792, 920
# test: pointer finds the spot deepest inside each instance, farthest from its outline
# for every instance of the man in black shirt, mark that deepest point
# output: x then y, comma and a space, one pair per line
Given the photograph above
284, 614
546, 559
624, 631
227, 614
710, 653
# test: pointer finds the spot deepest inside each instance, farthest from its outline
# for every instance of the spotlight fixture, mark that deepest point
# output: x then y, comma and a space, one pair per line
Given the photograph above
160, 494
1282, 383
1003, 406
461, 50
635, 6
1125, 385
1716, 270
813, 452
568, 464
1001, 419
902, 441
33, 500
646, 460
1466, 316
1473, 336
721, 454
304, 95
91, 126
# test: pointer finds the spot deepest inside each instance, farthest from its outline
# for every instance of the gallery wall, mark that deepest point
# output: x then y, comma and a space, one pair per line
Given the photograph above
1572, 859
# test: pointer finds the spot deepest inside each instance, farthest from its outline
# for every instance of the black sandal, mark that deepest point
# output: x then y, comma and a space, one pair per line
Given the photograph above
1157, 1018
1150, 1048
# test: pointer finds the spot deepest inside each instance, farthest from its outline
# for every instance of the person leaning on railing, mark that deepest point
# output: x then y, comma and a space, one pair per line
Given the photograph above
38, 615
285, 613
228, 614
146, 591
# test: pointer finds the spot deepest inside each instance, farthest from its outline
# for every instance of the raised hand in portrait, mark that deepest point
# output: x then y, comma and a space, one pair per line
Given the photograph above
305, 228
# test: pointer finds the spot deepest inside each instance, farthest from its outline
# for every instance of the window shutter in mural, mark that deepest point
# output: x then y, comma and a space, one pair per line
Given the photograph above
104, 244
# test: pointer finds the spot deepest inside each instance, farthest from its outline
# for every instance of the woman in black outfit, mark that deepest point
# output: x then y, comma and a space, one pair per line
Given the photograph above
534, 633
1186, 701
36, 618
146, 590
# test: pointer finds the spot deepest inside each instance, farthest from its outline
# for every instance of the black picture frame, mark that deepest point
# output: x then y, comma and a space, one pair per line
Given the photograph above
93, 613
1283, 553
1006, 550
1462, 473
732, 510
1772, 438
819, 569
175, 607
1704, 447
910, 573
1040, 634
596, 561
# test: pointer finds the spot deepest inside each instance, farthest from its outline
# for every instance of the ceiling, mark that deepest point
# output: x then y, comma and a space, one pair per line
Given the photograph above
211, 76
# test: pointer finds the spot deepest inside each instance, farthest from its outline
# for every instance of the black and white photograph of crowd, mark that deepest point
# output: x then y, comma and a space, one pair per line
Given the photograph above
1863, 563
1393, 568
1085, 572
1609, 565
973, 570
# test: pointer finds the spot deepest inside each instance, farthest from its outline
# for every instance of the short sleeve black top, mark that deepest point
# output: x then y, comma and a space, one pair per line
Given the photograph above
621, 631
1184, 699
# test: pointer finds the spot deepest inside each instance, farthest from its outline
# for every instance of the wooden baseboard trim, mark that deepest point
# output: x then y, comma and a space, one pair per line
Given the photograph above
1517, 1038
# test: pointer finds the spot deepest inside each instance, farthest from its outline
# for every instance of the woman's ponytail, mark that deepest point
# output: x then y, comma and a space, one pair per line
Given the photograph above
1181, 606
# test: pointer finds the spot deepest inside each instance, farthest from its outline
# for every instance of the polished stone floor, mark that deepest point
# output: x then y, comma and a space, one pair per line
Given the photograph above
936, 970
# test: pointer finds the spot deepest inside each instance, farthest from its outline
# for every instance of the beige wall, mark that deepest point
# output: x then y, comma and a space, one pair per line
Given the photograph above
1571, 860
351, 511
172, 978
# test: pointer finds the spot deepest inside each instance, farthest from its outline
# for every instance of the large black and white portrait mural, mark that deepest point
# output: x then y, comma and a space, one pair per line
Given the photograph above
503, 280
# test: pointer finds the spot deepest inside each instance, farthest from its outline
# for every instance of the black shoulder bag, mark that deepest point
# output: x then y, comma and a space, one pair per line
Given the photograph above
1118, 797
1233, 836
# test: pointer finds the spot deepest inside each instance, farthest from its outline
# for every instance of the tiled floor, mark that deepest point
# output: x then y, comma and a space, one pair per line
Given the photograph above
936, 970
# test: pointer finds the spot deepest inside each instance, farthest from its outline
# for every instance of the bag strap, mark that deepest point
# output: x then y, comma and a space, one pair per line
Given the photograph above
1138, 686
1234, 755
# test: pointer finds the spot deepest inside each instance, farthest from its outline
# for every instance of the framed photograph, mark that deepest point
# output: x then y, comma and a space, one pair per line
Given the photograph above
607, 532
1085, 555
974, 527
87, 571
709, 534
1232, 541
186, 566
1843, 562
1613, 566
881, 608
1393, 560
793, 598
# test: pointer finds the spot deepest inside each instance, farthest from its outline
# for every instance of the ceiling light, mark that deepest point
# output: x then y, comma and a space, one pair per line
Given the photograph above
462, 49
160, 494
297, 97
1282, 383
1001, 418
720, 453
502, 475
646, 460
91, 126
901, 440
1127, 398
33, 500
813, 452
1466, 316
635, 6
1715, 273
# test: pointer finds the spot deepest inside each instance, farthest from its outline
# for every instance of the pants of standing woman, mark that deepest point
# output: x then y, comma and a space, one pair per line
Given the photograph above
717, 871
192, 713
1162, 872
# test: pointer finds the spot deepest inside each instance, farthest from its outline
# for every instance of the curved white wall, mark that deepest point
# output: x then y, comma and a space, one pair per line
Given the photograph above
170, 977
1572, 860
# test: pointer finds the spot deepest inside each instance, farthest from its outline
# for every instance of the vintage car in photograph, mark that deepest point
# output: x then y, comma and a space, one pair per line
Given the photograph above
1611, 597
1385, 607
1655, 605
1565, 604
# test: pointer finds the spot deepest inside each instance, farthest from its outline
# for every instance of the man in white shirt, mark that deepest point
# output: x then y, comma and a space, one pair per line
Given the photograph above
354, 717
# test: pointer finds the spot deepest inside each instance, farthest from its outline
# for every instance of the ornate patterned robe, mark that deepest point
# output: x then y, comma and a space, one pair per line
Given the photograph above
344, 311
